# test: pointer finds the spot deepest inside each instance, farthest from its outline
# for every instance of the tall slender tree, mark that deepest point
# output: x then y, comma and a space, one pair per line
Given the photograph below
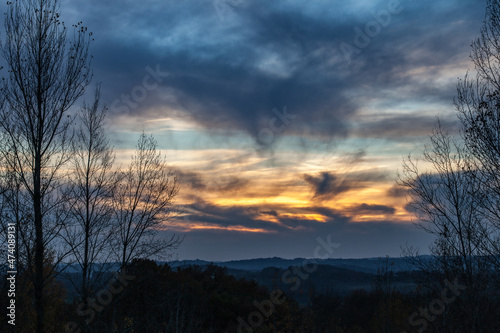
47, 72
88, 230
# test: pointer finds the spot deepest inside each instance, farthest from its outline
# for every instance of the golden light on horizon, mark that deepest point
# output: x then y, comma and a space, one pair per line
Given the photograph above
261, 201
231, 228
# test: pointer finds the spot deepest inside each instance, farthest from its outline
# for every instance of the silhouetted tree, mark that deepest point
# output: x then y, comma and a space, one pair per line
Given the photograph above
48, 72
88, 231
478, 106
458, 200
143, 203
446, 201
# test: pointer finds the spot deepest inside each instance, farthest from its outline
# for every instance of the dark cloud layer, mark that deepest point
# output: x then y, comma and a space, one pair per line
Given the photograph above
227, 68
230, 72
250, 217
295, 237
373, 209
326, 185
397, 191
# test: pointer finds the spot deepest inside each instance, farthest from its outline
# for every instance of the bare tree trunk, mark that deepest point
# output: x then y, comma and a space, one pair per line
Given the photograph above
39, 249
48, 72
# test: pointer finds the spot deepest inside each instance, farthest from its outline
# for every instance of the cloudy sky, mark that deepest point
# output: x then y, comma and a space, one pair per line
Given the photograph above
286, 120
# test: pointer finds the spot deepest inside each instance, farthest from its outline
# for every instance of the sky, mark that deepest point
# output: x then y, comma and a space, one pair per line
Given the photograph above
285, 121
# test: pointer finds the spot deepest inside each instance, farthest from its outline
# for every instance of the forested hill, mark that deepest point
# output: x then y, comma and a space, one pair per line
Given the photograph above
366, 265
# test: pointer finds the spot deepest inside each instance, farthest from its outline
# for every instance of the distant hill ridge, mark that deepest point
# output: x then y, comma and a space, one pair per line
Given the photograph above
365, 265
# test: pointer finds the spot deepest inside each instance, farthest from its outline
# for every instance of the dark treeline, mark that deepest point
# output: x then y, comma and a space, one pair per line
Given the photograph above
149, 297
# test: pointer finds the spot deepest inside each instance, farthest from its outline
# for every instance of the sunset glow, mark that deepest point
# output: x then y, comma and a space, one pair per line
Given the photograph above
271, 128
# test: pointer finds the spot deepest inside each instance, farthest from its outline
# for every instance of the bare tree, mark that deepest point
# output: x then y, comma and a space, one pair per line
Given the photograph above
478, 106
48, 72
458, 201
88, 231
447, 202
143, 204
